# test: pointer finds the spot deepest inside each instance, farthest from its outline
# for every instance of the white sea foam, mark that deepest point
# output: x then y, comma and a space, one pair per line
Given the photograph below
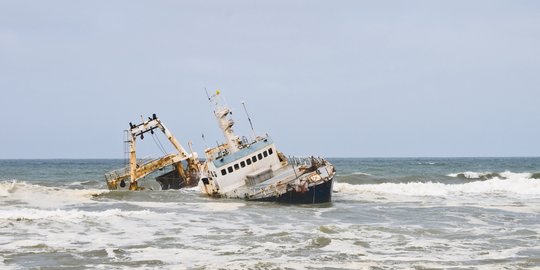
170, 205
361, 173
512, 175
191, 189
516, 185
75, 183
110, 252
478, 175
78, 229
65, 215
4, 266
217, 206
470, 175
7, 187
46, 197
426, 163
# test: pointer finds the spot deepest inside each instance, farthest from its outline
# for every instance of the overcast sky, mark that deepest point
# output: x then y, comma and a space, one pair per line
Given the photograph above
330, 78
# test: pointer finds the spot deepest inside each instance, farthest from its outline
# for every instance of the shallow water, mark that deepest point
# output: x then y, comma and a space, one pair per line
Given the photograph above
459, 213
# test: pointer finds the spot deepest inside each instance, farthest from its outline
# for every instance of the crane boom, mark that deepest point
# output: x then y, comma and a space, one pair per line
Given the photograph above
136, 171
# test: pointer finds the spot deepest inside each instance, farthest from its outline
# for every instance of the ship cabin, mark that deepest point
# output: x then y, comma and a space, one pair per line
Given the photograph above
251, 164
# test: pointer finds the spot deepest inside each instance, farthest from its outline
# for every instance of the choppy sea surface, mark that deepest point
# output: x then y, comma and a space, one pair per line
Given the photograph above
403, 213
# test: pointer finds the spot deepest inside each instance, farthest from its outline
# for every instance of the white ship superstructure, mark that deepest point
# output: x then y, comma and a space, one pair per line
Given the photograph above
256, 170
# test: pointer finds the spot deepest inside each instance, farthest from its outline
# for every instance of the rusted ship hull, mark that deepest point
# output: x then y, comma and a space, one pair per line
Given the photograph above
321, 193
173, 180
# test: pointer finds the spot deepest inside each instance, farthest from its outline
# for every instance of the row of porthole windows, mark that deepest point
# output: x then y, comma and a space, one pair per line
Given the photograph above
248, 161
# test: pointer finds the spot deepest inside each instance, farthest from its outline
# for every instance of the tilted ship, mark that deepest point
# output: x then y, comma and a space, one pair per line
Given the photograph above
252, 170
256, 170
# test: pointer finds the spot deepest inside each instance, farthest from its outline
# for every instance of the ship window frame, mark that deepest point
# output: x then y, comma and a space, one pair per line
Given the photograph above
265, 154
224, 172
236, 167
230, 169
260, 156
254, 159
242, 164
248, 161
270, 151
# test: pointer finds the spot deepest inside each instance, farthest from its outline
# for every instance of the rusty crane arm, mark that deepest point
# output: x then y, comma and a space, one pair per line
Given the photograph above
137, 171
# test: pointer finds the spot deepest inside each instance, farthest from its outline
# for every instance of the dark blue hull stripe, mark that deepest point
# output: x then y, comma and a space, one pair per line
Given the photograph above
321, 193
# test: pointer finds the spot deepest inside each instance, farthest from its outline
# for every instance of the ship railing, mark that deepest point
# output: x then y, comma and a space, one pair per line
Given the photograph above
145, 160
118, 173
125, 171
305, 161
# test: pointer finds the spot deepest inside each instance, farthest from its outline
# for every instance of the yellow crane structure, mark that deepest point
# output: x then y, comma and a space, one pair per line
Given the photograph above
188, 176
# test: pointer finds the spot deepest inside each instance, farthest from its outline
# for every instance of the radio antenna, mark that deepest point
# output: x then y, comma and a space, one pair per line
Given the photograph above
207, 94
204, 139
249, 119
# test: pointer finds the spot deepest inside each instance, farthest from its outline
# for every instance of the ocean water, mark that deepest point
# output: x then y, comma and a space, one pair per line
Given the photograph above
407, 213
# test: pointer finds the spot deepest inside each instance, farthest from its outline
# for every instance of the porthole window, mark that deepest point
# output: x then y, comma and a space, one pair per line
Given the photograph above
270, 151
248, 161
259, 156
265, 154
242, 164
230, 169
223, 172
236, 167
254, 159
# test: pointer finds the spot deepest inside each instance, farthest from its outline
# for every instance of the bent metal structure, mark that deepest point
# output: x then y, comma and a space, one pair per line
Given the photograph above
177, 178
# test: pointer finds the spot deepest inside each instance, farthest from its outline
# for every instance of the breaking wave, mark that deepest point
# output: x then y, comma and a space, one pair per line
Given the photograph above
361, 173
491, 175
427, 163
525, 186
6, 188
43, 196
65, 215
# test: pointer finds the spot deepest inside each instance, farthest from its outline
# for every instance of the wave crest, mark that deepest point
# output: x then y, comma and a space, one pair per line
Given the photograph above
43, 196
7, 187
65, 215
489, 175
524, 186
361, 173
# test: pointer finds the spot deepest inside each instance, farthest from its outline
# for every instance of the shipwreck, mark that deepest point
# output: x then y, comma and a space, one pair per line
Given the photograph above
239, 168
